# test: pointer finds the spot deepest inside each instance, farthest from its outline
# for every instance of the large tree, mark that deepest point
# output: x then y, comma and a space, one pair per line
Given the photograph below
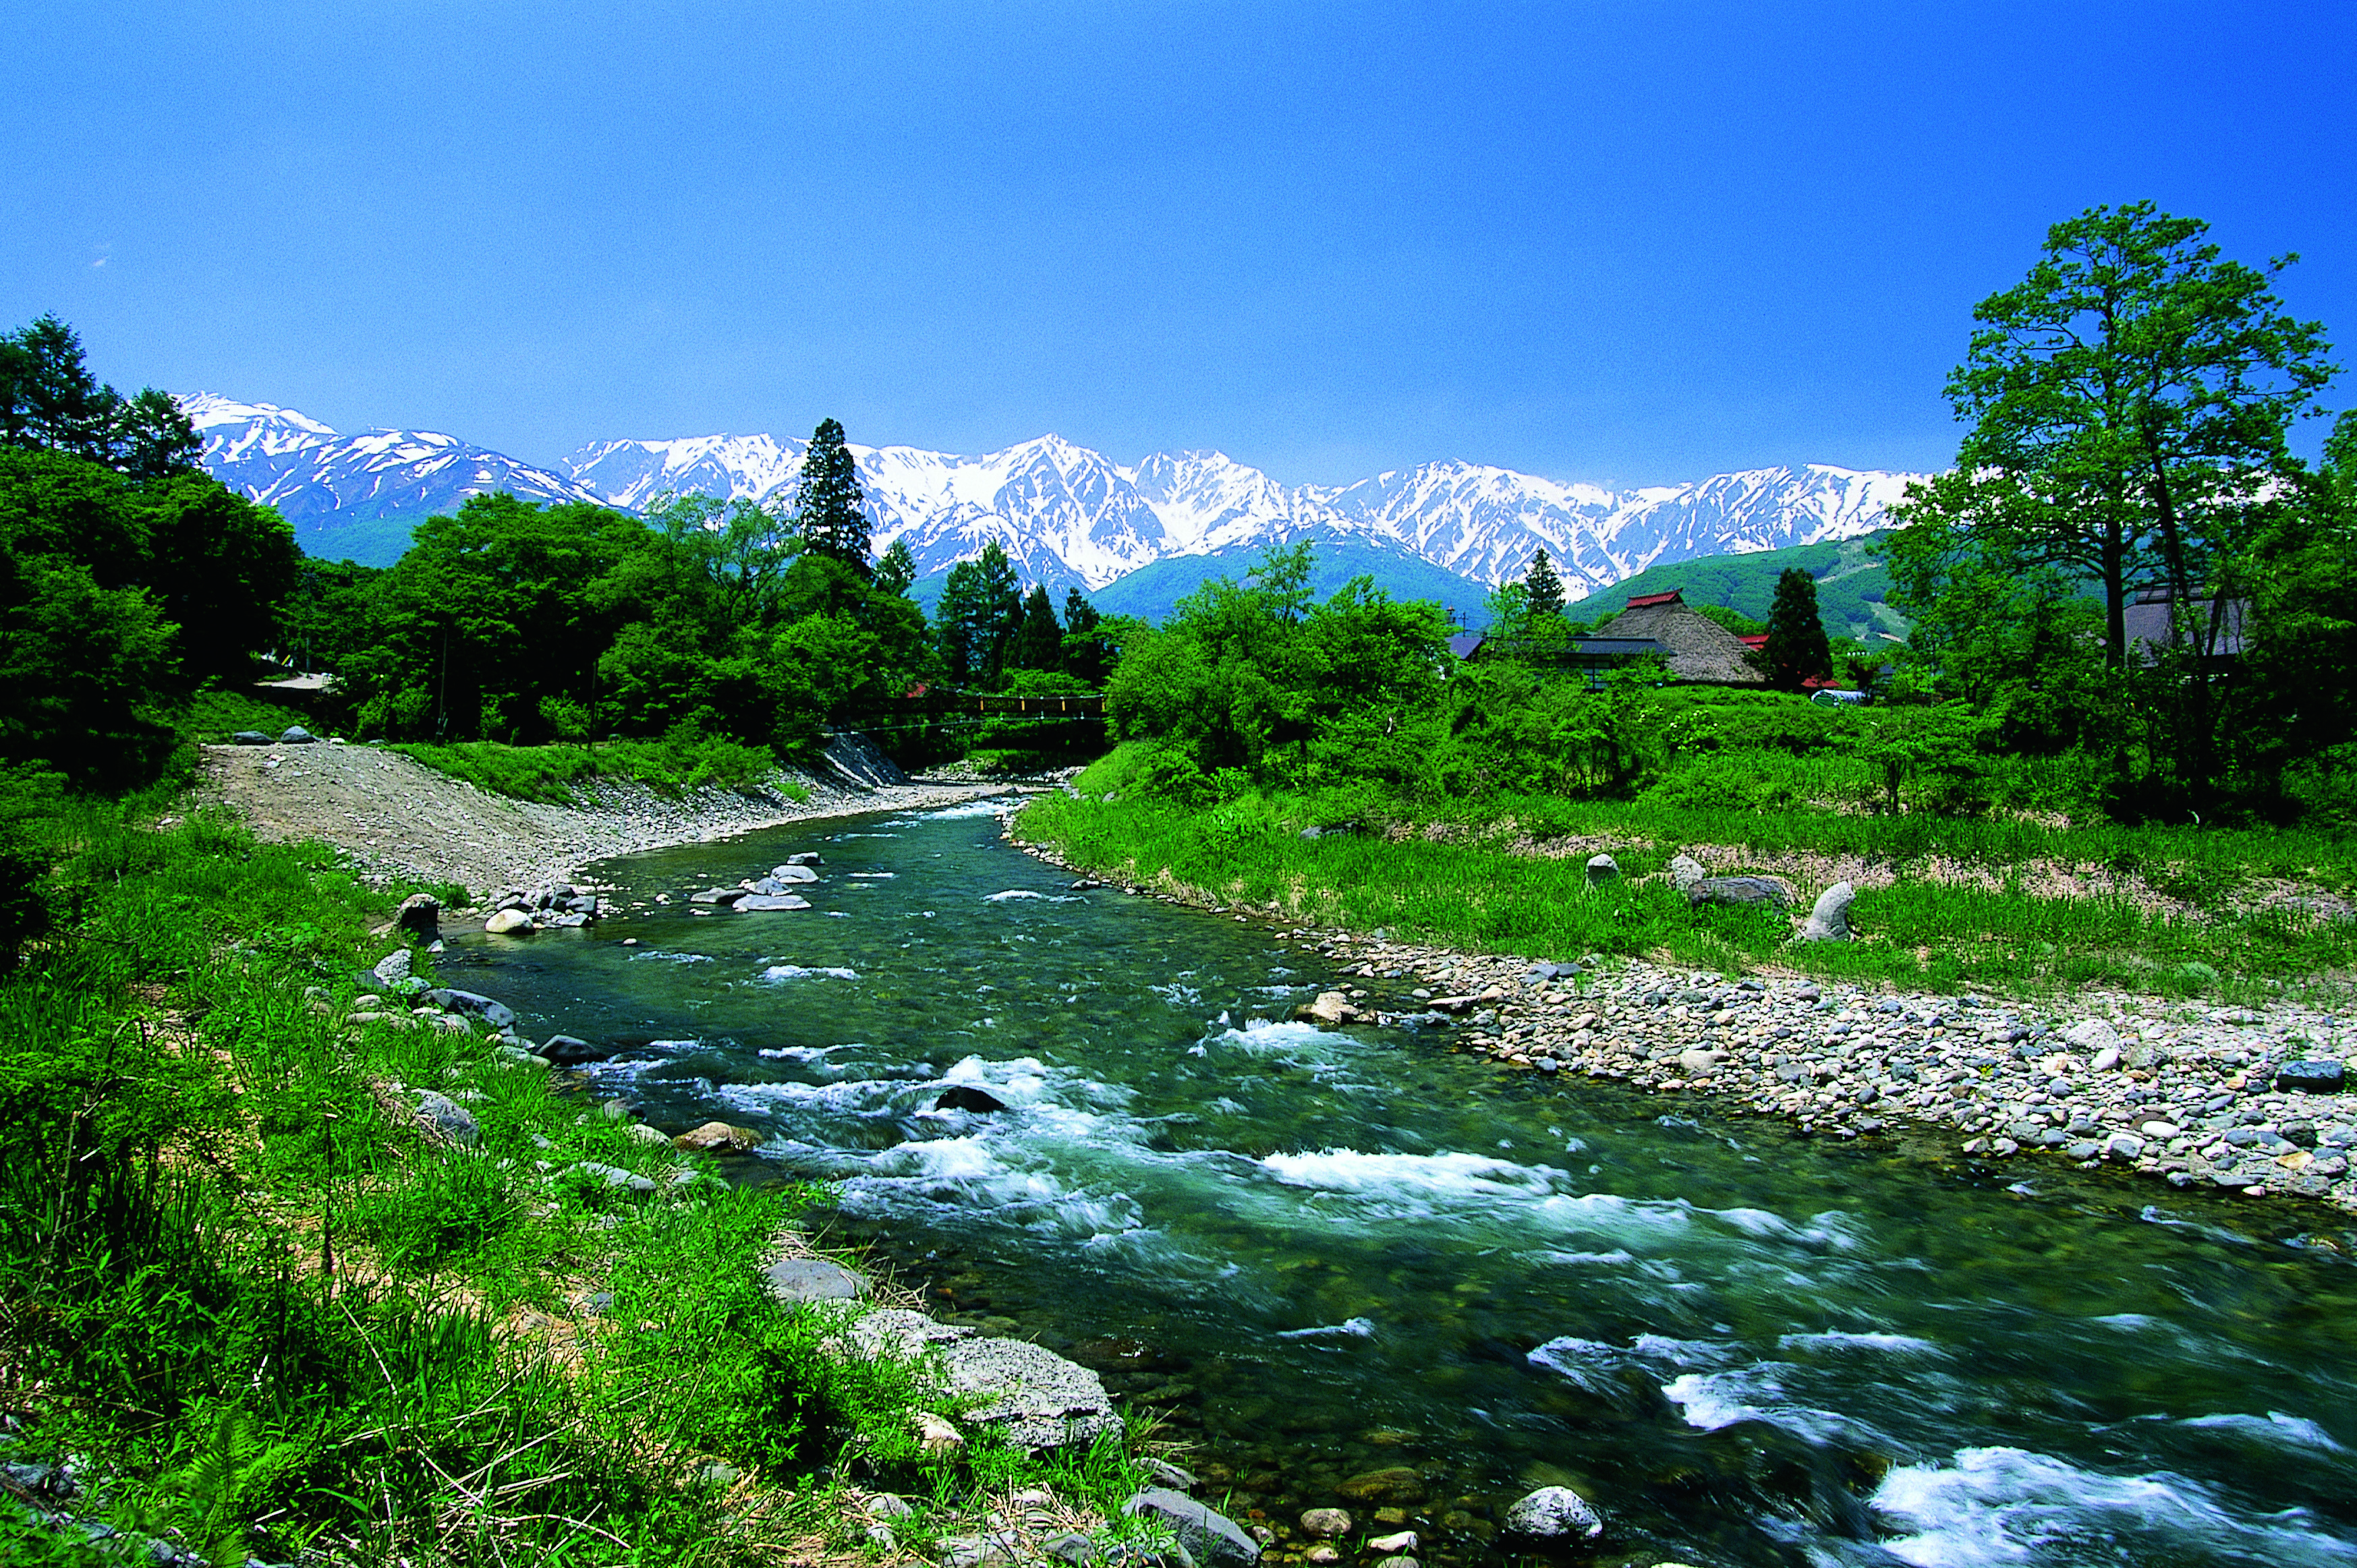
1545, 589
1039, 641
831, 509
1797, 648
51, 401
982, 604
2128, 403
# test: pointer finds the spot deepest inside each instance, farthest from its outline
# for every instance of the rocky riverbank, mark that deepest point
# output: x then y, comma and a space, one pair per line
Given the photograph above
2247, 1100
399, 820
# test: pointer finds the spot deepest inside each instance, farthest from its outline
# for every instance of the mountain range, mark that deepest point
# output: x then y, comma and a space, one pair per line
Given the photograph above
1066, 515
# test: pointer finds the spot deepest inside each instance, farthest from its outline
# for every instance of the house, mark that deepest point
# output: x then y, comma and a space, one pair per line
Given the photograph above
1594, 655
1695, 647
2150, 624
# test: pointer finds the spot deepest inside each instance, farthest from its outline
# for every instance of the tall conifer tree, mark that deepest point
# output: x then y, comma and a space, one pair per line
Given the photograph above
1545, 589
1797, 646
828, 505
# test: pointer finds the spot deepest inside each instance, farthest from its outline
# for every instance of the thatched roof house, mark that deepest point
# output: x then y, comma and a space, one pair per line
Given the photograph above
1698, 649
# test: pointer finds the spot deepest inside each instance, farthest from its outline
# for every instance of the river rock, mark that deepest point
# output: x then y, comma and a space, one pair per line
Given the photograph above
473, 1003
1332, 1007
1740, 890
2092, 1035
441, 1114
792, 873
1324, 1522
570, 1050
393, 968
296, 734
1394, 1484
2323, 1077
807, 857
1601, 868
1553, 1513
2124, 1147
1697, 1061
717, 1138
249, 737
420, 918
509, 922
1036, 1397
1829, 920
617, 1177
966, 1097
1685, 871
716, 896
1208, 1536
770, 903
798, 1280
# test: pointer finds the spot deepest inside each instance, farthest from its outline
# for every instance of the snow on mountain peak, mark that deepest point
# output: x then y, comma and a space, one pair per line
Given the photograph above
1066, 514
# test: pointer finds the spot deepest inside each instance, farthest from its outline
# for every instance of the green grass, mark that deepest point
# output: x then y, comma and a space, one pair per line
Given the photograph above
214, 715
240, 1281
556, 774
1918, 932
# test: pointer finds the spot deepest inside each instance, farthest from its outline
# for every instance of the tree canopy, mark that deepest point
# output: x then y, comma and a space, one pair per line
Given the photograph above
1796, 651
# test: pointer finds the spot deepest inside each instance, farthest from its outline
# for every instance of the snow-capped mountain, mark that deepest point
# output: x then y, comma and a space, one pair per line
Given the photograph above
1066, 515
325, 483
1100, 521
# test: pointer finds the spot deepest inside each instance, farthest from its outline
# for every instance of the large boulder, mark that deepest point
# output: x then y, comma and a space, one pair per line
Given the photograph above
1038, 1398
1601, 868
1208, 1536
392, 969
509, 922
717, 1138
473, 1005
249, 737
571, 1050
792, 872
716, 896
1685, 871
419, 919
768, 903
296, 734
1553, 1513
1755, 891
1332, 1007
1829, 921
797, 1280
966, 1097
807, 857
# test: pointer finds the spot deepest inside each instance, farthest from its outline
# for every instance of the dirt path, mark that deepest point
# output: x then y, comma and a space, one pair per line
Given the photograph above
399, 819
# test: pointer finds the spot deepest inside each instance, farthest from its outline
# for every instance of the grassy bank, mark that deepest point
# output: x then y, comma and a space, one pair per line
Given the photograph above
265, 1307
1969, 903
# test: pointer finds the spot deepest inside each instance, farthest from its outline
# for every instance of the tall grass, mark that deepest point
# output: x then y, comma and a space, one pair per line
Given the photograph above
241, 1279
1918, 932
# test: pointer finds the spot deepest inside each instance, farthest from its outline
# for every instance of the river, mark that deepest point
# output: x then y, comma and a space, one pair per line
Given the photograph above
1347, 1256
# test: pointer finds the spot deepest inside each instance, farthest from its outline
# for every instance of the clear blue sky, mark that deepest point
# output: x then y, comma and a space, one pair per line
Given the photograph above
1632, 243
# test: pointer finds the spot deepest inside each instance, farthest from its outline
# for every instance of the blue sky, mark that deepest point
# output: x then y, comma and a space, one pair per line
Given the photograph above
1631, 244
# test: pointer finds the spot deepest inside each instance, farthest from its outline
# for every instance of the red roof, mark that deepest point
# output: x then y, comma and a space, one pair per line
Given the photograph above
1674, 597
1756, 639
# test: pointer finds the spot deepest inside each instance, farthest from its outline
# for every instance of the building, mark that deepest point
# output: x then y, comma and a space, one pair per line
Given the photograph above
2150, 624
1695, 647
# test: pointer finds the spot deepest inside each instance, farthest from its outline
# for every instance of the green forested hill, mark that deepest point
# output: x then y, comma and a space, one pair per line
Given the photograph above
1851, 587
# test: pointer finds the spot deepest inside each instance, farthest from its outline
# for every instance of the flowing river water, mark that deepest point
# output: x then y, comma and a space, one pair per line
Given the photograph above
1352, 1259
